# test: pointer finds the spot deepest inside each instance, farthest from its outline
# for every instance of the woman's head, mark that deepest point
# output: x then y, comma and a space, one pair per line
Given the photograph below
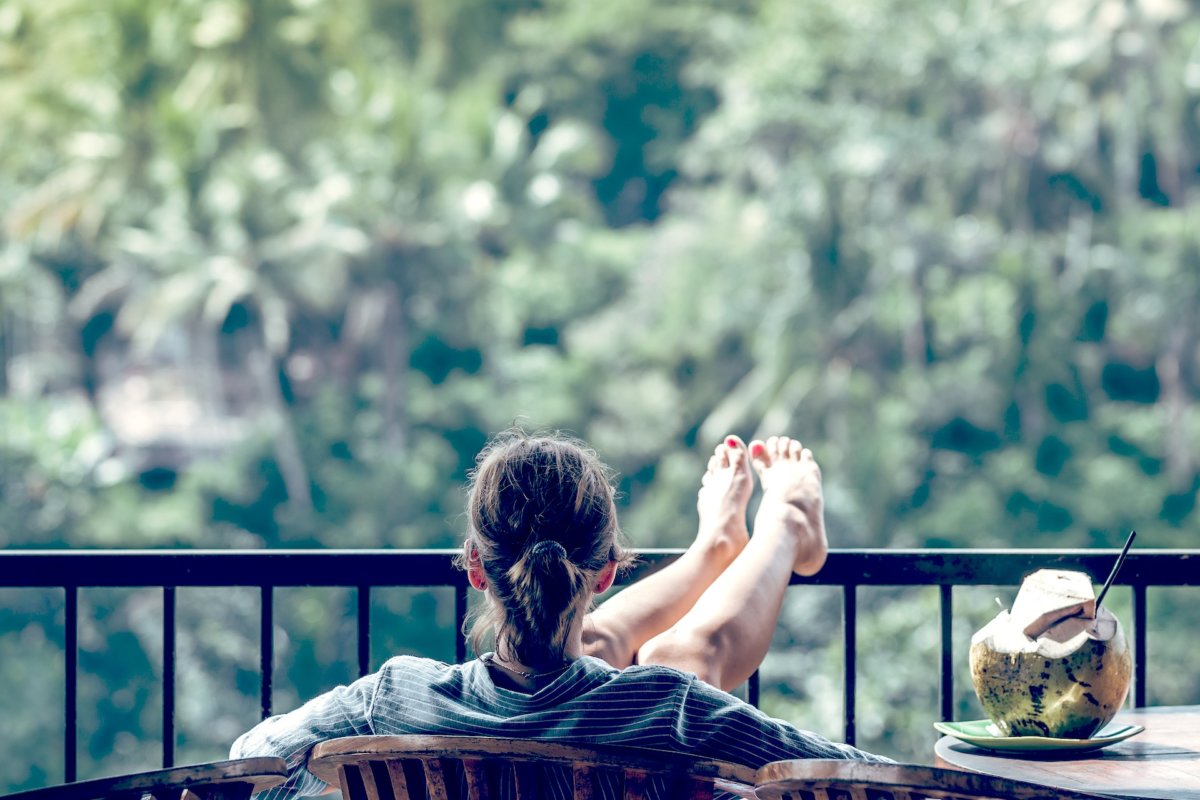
542, 527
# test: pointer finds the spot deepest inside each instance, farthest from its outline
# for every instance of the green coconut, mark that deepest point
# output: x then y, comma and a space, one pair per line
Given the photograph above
1056, 666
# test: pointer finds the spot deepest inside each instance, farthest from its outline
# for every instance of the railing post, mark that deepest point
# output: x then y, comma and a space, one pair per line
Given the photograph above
849, 649
946, 680
1139, 647
168, 709
364, 630
266, 646
460, 618
71, 657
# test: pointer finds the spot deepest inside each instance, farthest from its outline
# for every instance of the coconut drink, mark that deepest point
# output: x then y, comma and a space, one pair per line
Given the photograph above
1054, 665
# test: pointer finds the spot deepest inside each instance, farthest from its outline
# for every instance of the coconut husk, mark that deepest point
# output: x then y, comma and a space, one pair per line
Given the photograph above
1049, 596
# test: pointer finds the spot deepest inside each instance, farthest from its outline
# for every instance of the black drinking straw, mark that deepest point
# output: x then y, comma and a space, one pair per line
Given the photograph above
1116, 568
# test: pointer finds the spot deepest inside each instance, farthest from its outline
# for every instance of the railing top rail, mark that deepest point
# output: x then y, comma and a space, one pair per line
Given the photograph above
986, 567
434, 567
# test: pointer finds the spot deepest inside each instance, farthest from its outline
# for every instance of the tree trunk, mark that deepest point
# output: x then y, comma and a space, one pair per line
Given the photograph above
395, 348
287, 447
1174, 402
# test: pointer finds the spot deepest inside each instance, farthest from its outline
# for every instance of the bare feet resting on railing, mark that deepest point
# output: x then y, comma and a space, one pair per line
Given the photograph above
712, 612
792, 498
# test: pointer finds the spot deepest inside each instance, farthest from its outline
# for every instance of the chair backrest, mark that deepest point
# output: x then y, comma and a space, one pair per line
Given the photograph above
220, 780
826, 779
473, 768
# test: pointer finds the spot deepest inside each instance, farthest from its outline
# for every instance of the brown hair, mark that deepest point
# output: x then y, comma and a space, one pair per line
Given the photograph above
543, 522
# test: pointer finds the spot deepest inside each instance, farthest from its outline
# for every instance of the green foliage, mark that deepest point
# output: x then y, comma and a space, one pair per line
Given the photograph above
272, 272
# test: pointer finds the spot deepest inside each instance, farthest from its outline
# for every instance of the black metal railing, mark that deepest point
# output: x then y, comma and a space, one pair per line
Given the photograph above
364, 569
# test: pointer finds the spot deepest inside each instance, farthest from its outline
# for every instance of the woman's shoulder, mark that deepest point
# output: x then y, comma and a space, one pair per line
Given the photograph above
657, 673
648, 680
405, 669
415, 662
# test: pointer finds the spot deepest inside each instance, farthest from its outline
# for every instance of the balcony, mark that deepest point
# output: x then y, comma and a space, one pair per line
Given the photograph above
365, 571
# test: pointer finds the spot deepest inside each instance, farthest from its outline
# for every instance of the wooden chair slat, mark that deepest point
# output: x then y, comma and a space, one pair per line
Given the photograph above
476, 776
350, 781
801, 794
525, 776
583, 782
435, 779
395, 768
636, 784
370, 782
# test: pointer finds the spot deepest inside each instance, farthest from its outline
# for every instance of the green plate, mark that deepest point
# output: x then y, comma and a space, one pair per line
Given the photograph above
983, 733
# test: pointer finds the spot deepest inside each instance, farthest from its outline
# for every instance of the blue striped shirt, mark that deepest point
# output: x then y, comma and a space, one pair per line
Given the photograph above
590, 703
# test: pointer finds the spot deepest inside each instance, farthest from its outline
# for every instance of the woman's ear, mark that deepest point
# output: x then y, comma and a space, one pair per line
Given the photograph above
475, 574
604, 580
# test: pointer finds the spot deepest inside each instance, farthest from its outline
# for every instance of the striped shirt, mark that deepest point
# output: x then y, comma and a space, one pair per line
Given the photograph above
590, 703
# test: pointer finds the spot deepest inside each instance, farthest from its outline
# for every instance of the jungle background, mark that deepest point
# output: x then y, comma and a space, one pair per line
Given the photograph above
273, 271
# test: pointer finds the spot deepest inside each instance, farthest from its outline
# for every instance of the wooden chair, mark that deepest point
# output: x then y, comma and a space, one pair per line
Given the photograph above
827, 779
220, 780
472, 768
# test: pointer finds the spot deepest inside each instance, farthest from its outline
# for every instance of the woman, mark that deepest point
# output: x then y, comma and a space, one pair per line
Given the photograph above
647, 668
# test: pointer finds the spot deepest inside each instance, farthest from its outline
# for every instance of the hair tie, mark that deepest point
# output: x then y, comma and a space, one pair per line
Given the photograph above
547, 548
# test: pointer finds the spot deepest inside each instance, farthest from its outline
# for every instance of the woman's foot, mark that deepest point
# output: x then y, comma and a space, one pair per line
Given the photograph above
792, 497
725, 490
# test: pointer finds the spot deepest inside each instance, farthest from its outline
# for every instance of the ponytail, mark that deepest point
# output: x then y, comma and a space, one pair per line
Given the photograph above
546, 588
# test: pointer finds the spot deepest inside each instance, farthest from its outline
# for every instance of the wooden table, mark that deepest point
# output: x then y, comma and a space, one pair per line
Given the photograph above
1161, 762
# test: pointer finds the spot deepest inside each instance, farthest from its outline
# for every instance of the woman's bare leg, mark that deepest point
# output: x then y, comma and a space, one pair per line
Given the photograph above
725, 635
617, 629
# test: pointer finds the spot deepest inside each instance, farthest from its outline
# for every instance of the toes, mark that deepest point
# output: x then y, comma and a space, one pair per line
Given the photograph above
807, 457
763, 455
735, 451
721, 456
758, 456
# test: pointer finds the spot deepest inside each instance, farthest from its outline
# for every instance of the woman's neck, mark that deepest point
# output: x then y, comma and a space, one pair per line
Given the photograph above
531, 675
572, 649
513, 674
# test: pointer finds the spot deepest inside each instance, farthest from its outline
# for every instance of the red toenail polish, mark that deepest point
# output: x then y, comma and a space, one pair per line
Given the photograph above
758, 450
731, 442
